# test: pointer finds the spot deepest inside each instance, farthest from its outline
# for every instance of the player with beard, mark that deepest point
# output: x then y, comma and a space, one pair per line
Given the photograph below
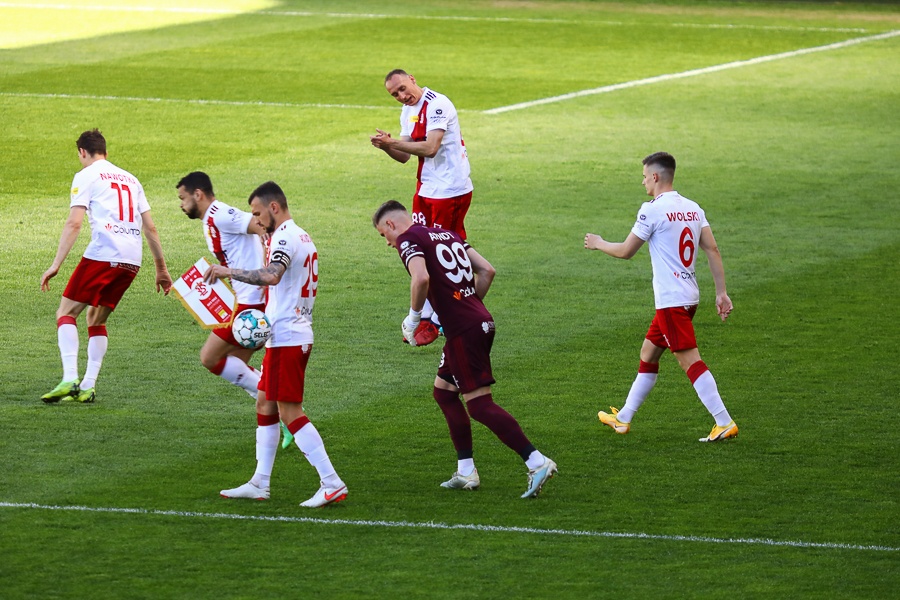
292, 274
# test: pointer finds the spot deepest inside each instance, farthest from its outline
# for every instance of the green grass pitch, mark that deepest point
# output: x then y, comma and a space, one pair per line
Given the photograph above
794, 160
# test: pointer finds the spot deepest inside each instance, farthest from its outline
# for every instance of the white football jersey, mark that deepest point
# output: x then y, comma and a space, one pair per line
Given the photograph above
225, 230
290, 303
671, 224
446, 174
115, 201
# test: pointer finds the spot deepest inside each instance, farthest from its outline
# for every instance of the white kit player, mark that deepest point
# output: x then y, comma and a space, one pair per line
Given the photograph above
119, 215
674, 227
234, 238
292, 274
429, 130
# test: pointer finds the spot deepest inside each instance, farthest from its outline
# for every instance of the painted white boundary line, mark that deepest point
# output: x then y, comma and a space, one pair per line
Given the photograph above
296, 13
192, 101
456, 527
691, 73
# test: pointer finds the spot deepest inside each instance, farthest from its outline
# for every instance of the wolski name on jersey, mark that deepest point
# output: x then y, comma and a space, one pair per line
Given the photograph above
439, 236
683, 216
117, 177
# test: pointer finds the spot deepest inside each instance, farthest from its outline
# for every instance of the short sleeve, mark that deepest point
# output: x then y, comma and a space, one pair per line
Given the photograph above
440, 112
81, 191
644, 225
280, 252
234, 221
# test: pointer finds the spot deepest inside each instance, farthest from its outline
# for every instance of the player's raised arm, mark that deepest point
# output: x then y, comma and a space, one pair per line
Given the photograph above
625, 249
383, 141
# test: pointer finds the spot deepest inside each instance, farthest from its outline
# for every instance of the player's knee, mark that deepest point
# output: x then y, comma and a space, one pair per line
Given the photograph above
264, 407
481, 407
214, 364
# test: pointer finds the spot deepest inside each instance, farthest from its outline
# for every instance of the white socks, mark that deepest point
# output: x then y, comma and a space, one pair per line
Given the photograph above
535, 460
706, 388
640, 389
238, 373
67, 337
311, 445
97, 345
465, 466
267, 437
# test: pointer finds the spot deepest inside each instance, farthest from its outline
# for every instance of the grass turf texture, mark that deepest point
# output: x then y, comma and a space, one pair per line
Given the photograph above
793, 160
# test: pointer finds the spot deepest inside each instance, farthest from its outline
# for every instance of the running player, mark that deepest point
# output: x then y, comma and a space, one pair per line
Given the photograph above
119, 216
449, 272
292, 274
429, 130
674, 226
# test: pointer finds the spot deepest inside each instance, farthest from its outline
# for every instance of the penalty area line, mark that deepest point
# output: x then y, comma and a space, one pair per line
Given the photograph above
452, 527
692, 73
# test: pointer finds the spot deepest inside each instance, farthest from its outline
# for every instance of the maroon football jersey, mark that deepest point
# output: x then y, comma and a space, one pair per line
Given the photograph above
451, 288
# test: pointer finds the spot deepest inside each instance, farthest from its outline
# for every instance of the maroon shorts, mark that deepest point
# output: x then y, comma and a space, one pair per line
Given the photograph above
466, 359
284, 372
672, 328
444, 213
98, 283
225, 332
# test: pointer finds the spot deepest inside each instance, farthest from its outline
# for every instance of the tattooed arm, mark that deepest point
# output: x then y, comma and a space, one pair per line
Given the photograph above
269, 275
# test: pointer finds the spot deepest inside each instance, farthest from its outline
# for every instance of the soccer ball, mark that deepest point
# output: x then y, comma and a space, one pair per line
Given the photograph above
251, 328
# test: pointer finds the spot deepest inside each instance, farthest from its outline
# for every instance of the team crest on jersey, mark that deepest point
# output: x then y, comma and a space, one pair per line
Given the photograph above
404, 245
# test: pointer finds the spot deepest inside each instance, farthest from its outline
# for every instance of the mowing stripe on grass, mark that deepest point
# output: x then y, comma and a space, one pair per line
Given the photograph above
193, 101
692, 73
492, 111
334, 15
454, 527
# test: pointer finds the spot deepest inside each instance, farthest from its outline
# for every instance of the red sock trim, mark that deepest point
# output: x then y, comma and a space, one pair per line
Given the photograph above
65, 321
266, 420
646, 367
97, 330
219, 367
297, 424
696, 370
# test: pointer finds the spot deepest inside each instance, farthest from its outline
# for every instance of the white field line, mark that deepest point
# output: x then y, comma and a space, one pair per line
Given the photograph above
295, 13
455, 527
692, 73
192, 101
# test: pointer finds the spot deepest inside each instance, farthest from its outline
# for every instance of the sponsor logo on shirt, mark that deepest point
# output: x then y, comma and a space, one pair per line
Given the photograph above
463, 293
74, 191
120, 230
414, 118
684, 275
